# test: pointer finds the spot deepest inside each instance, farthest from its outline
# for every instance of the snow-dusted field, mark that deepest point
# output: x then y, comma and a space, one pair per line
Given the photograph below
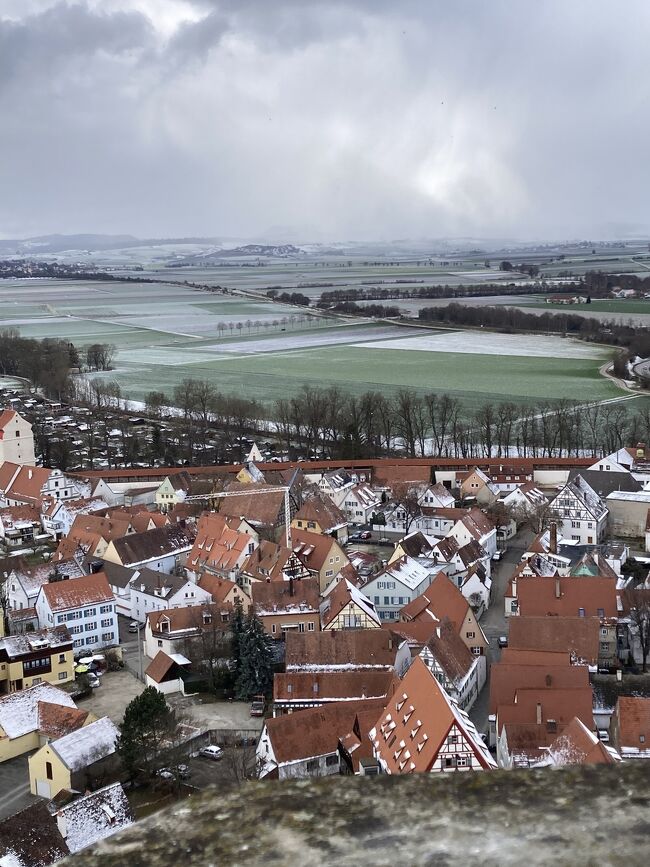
475, 343
305, 340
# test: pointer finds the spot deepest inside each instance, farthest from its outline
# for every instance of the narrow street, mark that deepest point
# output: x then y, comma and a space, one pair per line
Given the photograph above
494, 622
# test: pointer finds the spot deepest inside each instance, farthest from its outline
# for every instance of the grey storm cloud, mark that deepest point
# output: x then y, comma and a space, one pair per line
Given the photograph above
340, 119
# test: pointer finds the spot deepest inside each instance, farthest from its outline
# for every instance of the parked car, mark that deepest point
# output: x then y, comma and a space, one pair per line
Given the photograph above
134, 626
211, 752
603, 735
183, 771
497, 555
258, 705
365, 535
93, 680
503, 641
165, 774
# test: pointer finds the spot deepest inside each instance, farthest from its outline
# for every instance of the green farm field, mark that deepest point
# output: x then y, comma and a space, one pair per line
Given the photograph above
166, 333
471, 378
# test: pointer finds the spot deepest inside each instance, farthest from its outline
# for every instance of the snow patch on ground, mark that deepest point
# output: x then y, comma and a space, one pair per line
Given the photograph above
476, 343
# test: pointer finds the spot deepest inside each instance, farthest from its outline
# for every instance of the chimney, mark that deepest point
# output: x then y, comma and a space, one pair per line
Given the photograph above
558, 593
538, 717
62, 824
30, 473
553, 540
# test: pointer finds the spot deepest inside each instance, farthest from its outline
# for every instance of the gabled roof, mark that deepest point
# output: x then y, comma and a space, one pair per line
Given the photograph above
95, 816
31, 838
315, 731
331, 686
160, 667
186, 621
508, 679
153, 544
87, 745
19, 711
219, 588
441, 599
406, 570
478, 524
313, 549
77, 592
565, 597
7, 416
285, 597
55, 721
577, 745
260, 510
416, 545
158, 583
23, 483
218, 545
323, 512
578, 635
593, 564
267, 562
634, 722
605, 482
347, 648
343, 595
410, 732
450, 651
583, 491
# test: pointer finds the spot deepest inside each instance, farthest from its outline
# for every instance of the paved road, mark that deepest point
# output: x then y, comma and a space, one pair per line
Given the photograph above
494, 622
14, 787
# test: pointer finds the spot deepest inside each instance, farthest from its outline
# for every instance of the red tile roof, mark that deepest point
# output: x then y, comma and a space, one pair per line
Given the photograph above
363, 648
633, 722
78, 592
506, 678
316, 731
330, 686
565, 597
578, 635
410, 732
577, 745
441, 599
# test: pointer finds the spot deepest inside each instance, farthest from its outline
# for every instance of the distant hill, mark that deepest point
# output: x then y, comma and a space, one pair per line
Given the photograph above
44, 245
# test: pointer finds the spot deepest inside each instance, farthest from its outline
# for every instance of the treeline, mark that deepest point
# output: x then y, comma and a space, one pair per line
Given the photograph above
46, 363
508, 319
377, 310
289, 297
336, 424
375, 293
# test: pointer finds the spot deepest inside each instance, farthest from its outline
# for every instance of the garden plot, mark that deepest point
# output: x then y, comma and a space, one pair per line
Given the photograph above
477, 343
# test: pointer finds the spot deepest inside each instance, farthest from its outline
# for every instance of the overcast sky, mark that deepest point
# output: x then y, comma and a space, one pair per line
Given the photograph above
347, 119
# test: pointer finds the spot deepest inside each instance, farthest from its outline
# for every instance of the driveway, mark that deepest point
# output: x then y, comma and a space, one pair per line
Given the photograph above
232, 715
14, 787
111, 698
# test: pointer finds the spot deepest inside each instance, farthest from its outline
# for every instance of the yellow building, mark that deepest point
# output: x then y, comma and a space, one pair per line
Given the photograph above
34, 716
36, 657
79, 760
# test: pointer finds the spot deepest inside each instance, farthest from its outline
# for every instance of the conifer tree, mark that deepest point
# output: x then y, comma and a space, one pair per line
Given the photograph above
238, 625
255, 671
148, 721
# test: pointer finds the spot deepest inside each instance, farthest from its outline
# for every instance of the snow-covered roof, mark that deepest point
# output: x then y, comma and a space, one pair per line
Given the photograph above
407, 571
88, 744
94, 817
19, 711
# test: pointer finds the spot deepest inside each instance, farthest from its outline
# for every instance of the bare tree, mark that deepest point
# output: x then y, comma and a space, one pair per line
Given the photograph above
408, 499
240, 763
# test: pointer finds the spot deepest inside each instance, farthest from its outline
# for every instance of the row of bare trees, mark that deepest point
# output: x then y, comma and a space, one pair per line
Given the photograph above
337, 424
